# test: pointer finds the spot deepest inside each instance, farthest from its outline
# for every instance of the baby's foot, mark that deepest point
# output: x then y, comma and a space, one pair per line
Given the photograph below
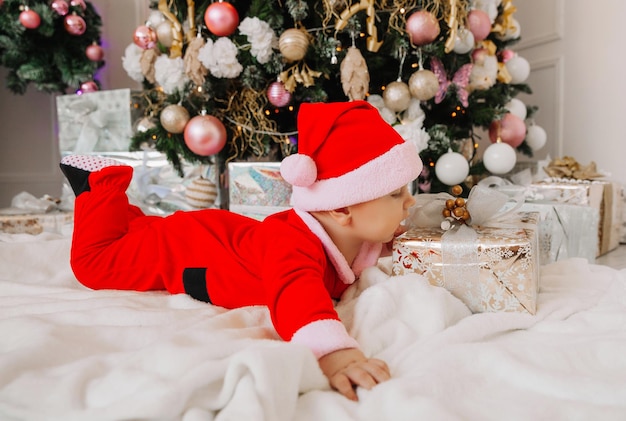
77, 168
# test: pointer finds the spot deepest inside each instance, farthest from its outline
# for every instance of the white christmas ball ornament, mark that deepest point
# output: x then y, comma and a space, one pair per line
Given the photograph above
518, 68
464, 41
536, 137
499, 158
451, 168
516, 107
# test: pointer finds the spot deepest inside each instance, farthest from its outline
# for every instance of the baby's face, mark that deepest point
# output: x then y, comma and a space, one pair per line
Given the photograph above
377, 220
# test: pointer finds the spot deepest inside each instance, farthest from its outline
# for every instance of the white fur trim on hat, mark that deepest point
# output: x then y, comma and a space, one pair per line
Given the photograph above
376, 178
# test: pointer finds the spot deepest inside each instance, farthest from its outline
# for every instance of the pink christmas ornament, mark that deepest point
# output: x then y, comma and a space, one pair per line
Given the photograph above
422, 27
205, 135
30, 19
221, 19
510, 128
94, 52
506, 55
277, 95
145, 37
479, 24
78, 3
87, 87
60, 6
74, 25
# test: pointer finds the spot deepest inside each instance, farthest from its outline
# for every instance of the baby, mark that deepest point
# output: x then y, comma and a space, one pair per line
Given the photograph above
350, 195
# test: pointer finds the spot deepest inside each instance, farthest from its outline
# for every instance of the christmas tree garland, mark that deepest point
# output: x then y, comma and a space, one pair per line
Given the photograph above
51, 45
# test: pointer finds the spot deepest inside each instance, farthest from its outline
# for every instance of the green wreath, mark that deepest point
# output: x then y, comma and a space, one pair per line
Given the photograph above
48, 55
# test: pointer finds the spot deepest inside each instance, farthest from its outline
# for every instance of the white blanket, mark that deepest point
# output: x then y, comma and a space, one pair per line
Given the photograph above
69, 353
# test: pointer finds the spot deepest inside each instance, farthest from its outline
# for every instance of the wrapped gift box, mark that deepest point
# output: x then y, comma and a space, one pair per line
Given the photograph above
493, 269
94, 121
257, 189
605, 196
18, 222
565, 231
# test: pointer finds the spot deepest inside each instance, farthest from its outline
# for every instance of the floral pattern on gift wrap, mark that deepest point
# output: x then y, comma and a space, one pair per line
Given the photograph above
506, 260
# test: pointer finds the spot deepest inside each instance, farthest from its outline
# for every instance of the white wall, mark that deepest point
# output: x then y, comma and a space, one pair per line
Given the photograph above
577, 59
574, 47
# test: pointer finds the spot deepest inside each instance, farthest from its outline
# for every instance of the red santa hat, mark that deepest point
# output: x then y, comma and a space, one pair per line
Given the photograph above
347, 154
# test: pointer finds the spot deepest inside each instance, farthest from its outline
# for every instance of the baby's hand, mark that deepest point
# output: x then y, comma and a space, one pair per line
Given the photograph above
348, 368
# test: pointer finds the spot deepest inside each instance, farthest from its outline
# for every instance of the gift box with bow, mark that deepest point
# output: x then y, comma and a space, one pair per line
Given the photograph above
94, 122
491, 264
576, 184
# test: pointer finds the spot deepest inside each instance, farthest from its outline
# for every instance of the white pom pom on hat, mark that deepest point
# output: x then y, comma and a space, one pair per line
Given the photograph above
299, 170
347, 154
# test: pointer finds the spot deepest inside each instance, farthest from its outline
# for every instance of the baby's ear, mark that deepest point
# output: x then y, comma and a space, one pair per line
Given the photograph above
341, 215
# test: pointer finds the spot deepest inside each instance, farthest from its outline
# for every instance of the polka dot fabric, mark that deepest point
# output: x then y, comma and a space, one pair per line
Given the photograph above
89, 162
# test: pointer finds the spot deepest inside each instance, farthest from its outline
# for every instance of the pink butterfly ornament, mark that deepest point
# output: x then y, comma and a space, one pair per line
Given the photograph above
460, 80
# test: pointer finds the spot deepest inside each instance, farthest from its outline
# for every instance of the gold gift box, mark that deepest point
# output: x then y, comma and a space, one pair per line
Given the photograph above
502, 271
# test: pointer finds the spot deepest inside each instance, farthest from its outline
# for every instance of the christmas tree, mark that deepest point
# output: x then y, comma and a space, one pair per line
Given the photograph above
52, 45
225, 79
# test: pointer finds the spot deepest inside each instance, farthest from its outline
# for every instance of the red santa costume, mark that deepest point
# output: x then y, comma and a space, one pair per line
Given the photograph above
347, 155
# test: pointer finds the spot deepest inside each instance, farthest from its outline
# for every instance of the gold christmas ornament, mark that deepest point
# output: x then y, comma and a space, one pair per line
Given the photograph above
397, 96
355, 77
201, 193
423, 85
174, 118
293, 44
165, 34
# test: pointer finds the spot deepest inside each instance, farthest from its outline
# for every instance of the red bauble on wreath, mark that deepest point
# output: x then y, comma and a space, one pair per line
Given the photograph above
79, 3
205, 135
94, 52
74, 24
60, 6
89, 86
30, 19
221, 19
